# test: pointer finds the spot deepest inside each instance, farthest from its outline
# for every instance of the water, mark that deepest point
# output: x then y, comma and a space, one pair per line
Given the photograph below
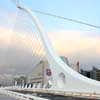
6, 98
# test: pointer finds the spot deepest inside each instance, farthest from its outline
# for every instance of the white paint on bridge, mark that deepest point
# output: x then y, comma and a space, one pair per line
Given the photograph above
17, 95
63, 77
53, 92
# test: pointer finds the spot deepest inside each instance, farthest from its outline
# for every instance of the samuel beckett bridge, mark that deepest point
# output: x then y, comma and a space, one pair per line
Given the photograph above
65, 81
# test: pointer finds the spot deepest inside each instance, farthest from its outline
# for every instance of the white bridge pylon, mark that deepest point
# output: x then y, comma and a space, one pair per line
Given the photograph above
64, 78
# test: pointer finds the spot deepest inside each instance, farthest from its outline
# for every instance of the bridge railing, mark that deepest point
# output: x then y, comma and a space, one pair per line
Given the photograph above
6, 92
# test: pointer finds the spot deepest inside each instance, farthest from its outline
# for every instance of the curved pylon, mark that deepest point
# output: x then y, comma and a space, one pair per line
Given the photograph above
64, 78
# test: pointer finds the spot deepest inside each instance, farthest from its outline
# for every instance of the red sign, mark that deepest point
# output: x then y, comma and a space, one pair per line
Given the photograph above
48, 72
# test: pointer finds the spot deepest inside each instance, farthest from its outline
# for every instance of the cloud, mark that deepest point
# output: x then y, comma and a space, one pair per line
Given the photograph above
16, 48
17, 52
77, 45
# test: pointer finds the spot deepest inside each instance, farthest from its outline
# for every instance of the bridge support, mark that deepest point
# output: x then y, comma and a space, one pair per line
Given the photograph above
64, 78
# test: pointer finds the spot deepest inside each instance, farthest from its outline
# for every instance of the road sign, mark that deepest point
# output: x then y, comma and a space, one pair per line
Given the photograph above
48, 72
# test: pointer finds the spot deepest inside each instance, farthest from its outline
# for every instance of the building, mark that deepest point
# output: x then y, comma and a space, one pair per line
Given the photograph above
75, 66
42, 72
20, 79
38, 74
96, 74
6, 80
87, 73
93, 74
65, 59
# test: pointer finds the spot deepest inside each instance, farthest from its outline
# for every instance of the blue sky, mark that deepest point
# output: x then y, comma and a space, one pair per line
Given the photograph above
84, 10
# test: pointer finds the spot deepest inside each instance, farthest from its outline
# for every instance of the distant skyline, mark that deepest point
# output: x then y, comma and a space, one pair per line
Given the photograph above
76, 41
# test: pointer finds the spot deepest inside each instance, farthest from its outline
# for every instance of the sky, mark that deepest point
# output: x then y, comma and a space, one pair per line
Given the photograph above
75, 41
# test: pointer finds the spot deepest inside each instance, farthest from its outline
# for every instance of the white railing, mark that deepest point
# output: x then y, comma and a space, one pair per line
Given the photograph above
56, 92
4, 91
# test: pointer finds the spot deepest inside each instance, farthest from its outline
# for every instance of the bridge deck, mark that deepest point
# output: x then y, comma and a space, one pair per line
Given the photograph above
60, 93
19, 95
